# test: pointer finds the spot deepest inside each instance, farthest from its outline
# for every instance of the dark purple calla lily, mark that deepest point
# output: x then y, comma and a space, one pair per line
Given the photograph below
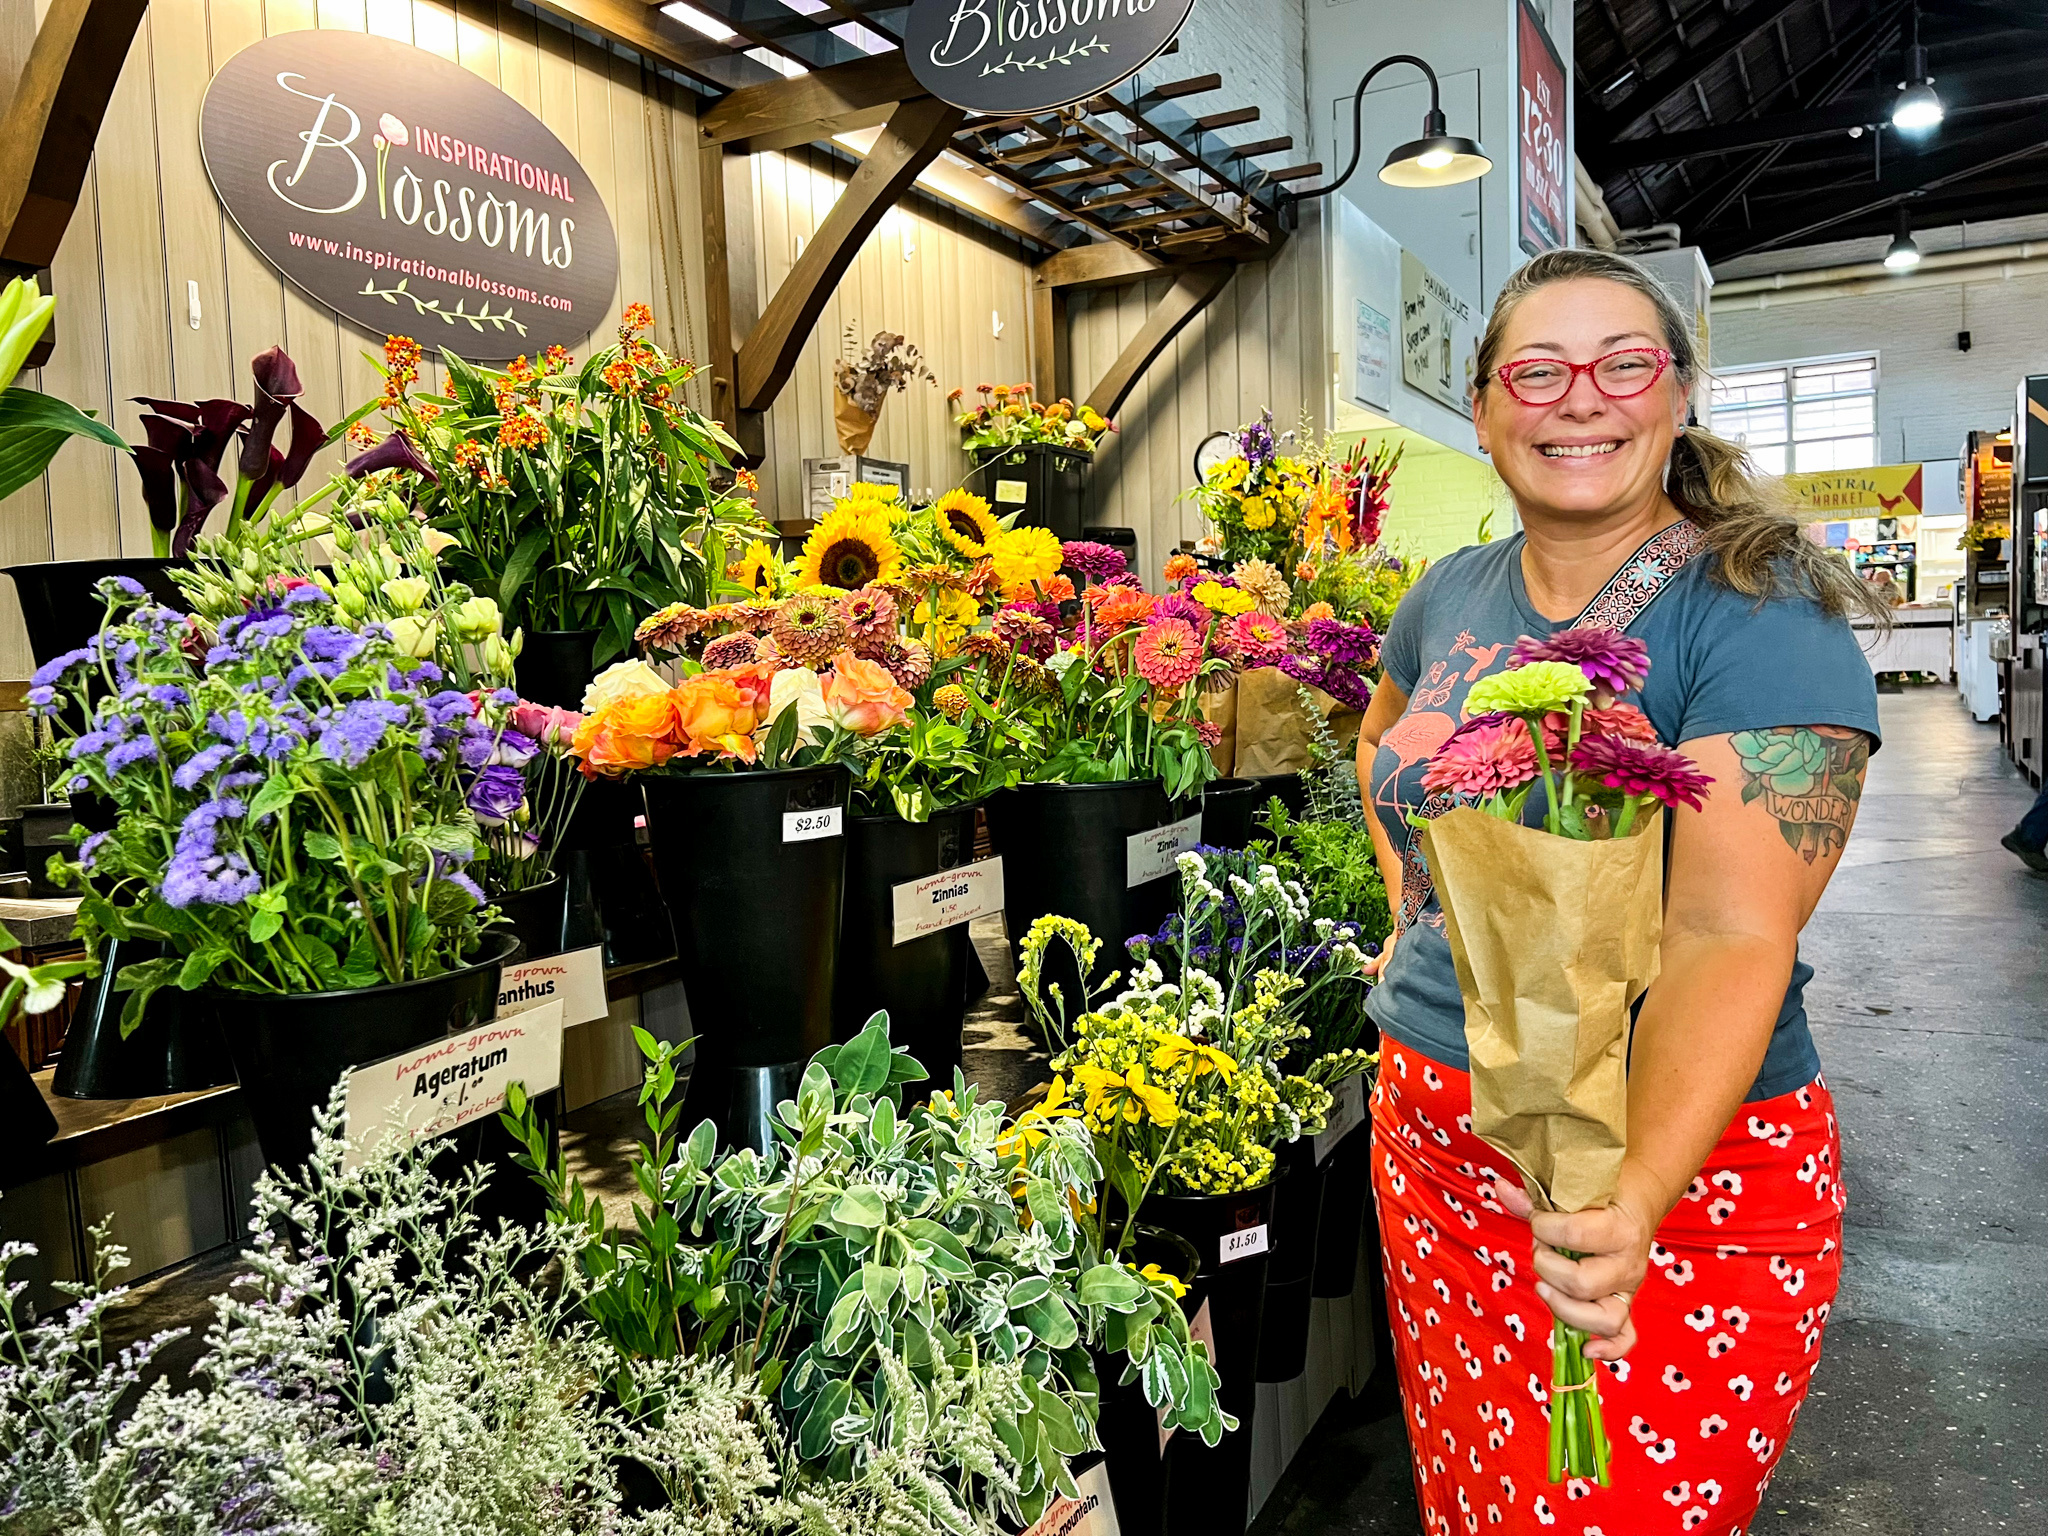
395, 452
277, 392
185, 445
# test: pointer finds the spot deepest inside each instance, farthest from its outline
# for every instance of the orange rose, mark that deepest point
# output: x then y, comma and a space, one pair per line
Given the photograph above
639, 731
717, 712
862, 697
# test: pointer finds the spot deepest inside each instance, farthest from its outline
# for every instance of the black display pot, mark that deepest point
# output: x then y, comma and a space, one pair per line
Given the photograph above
1055, 483
538, 916
1209, 1486
61, 608
1297, 1219
922, 983
289, 1050
555, 666
1290, 787
1065, 851
26, 1124
1230, 808
1125, 1423
757, 932
45, 831
1347, 1196
611, 896
177, 1048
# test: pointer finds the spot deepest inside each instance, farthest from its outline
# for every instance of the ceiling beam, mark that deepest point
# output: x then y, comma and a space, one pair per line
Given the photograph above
662, 37
1100, 264
1640, 107
779, 113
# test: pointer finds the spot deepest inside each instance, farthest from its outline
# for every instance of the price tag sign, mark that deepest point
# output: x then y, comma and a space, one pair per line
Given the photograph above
1012, 492
1347, 1113
575, 979
1093, 1514
803, 826
1201, 1328
1242, 1244
453, 1082
946, 899
1149, 856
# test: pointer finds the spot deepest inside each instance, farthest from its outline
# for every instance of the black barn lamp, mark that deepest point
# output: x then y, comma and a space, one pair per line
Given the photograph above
1439, 158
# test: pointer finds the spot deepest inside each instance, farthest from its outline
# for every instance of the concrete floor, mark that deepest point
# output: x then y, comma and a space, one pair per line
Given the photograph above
1930, 1009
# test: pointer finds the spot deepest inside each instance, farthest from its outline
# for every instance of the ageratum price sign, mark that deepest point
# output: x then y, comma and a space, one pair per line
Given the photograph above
1001, 56
406, 194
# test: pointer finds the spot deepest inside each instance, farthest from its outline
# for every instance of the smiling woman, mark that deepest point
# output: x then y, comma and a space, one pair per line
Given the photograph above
1723, 1238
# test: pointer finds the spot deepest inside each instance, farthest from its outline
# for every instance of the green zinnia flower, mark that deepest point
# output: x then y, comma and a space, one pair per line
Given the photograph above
1535, 689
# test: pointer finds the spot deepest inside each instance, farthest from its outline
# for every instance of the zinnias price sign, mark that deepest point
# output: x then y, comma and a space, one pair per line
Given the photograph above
406, 194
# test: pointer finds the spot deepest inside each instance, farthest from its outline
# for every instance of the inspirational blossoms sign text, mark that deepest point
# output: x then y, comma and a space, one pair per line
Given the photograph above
1002, 56
407, 194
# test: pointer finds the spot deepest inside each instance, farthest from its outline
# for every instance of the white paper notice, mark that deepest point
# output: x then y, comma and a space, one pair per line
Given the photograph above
1232, 1246
1149, 856
1093, 1514
576, 978
950, 897
1373, 358
453, 1082
1347, 1113
802, 826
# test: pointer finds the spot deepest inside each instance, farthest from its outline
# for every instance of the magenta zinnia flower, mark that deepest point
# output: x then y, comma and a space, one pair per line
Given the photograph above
1485, 755
1096, 562
1642, 768
1176, 605
1348, 645
1614, 663
1169, 653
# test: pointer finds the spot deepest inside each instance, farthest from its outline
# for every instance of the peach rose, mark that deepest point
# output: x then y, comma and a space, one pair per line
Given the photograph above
717, 712
640, 731
861, 696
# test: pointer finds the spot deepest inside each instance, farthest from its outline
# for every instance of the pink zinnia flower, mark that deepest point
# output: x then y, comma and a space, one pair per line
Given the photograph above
1484, 756
1259, 638
1642, 768
1623, 720
1169, 654
1208, 732
1613, 664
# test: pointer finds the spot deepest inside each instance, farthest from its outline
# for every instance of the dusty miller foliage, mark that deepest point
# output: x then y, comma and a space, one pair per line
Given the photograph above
388, 1368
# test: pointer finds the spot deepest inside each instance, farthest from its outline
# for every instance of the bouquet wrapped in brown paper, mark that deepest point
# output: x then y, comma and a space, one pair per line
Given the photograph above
1554, 932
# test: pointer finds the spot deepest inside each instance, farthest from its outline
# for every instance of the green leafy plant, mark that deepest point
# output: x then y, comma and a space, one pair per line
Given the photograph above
33, 426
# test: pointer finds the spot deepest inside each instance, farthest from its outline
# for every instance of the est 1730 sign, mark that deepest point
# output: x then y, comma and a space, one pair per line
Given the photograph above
1000, 56
406, 194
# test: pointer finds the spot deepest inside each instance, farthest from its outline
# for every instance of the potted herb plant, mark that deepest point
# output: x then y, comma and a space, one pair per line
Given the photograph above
293, 829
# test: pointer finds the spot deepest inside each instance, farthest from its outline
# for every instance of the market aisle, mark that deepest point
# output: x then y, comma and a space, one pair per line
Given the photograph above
1930, 1009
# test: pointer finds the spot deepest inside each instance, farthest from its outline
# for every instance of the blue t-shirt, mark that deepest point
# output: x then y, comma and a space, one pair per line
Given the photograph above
1719, 662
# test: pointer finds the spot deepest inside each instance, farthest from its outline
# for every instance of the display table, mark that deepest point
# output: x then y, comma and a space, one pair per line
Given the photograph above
1976, 672
1921, 639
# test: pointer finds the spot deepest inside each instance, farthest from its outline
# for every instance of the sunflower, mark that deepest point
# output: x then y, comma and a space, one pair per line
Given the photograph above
1025, 555
965, 522
755, 570
850, 549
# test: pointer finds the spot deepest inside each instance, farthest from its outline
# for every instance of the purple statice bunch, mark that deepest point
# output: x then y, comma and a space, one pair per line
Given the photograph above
1092, 561
1615, 664
1257, 443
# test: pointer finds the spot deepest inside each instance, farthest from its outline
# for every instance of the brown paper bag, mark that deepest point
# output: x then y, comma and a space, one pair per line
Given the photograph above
1219, 708
1272, 731
1553, 940
856, 428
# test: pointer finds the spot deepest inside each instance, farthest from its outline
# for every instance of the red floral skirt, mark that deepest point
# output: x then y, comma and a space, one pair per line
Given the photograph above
1729, 1320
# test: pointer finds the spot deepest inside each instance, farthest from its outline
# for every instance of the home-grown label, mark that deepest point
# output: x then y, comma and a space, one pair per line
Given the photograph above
574, 979
406, 194
1150, 856
1092, 1514
453, 1082
946, 899
1003, 56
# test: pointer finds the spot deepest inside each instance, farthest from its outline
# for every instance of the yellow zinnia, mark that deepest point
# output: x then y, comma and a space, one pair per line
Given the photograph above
965, 522
1217, 598
851, 549
1025, 555
1258, 512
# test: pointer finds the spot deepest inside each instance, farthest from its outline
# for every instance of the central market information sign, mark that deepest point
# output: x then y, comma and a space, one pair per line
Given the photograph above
407, 195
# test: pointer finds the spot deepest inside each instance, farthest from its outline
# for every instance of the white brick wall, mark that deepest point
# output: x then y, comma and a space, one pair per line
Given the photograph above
1256, 45
1929, 393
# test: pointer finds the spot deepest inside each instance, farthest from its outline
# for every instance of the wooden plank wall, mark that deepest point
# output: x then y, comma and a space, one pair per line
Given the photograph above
1259, 345
149, 225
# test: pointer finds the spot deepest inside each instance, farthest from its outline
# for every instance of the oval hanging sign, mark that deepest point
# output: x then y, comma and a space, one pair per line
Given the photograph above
408, 195
1006, 56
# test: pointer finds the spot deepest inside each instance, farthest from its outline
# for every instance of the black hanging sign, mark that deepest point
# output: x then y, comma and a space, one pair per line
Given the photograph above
408, 195
1004, 56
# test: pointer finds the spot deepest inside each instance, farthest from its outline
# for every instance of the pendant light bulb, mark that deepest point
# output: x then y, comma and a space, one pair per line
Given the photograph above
1902, 252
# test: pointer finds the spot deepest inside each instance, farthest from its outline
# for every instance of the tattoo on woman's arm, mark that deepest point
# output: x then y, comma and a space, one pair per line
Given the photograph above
1809, 778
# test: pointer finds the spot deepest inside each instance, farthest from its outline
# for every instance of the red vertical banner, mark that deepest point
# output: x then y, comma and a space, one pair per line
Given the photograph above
1542, 142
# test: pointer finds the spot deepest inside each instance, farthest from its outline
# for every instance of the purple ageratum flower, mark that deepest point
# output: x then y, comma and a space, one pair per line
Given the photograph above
1615, 663
1347, 645
300, 596
324, 642
42, 700
447, 707
506, 696
1642, 768
476, 745
89, 847
217, 880
496, 795
129, 753
53, 671
359, 729
467, 886
114, 587
1095, 562
170, 695
202, 764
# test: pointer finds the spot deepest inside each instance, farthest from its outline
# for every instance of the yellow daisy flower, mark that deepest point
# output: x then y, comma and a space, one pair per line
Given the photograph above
850, 549
1190, 1059
1158, 1276
1111, 1094
1025, 555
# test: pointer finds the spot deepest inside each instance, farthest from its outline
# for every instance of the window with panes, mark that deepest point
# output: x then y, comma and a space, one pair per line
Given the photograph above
1797, 417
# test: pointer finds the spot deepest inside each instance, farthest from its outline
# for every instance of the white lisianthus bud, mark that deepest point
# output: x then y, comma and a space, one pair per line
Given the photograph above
408, 594
475, 620
414, 636
352, 601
